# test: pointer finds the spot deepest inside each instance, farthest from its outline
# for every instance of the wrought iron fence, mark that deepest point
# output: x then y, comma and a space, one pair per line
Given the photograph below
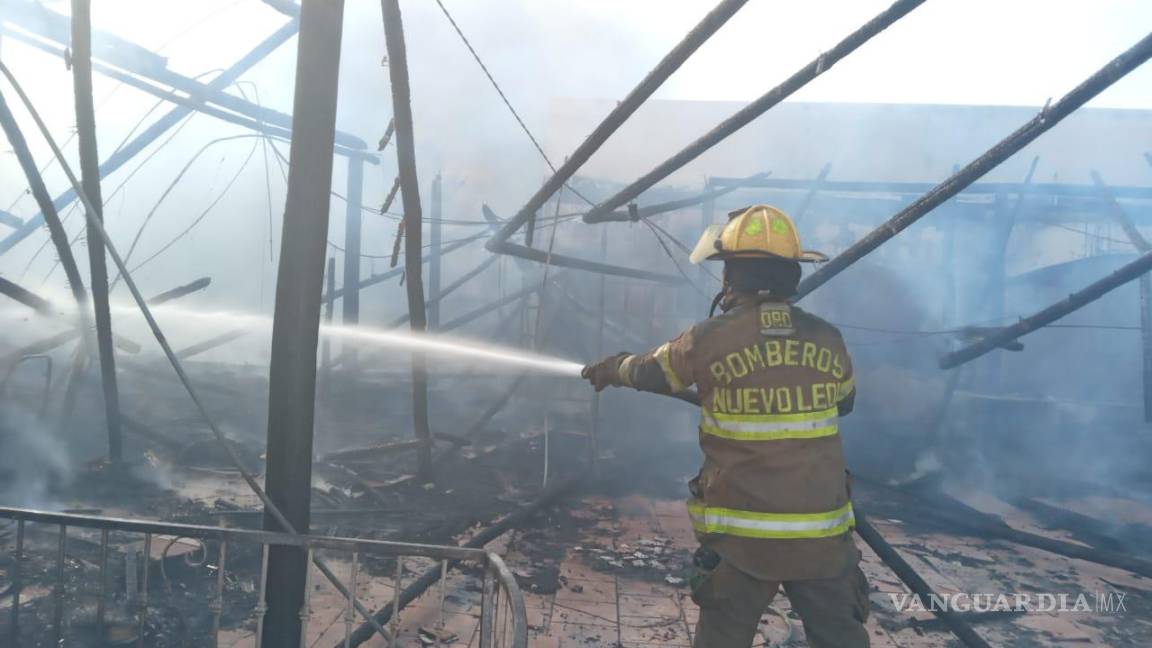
83, 580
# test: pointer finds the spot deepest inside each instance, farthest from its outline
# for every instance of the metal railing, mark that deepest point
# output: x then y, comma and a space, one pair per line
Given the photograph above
58, 555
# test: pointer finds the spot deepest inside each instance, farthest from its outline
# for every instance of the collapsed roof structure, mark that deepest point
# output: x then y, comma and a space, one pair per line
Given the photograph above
306, 290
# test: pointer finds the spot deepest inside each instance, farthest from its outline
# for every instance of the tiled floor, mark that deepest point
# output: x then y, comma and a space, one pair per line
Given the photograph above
597, 605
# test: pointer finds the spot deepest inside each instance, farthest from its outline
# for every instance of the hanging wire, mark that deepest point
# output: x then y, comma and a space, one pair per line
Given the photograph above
203, 214
504, 98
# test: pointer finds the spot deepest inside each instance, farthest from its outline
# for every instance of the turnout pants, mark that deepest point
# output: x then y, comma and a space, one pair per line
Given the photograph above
731, 603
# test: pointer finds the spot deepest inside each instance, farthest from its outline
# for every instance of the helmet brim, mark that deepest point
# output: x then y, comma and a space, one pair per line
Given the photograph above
807, 256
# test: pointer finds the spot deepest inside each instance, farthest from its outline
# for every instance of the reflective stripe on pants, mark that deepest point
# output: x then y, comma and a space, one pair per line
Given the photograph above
751, 524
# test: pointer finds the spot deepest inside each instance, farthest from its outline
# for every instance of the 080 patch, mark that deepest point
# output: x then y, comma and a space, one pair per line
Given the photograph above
776, 319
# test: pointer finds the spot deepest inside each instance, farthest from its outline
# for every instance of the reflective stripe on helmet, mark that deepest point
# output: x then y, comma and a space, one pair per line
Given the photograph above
749, 524
662, 357
770, 427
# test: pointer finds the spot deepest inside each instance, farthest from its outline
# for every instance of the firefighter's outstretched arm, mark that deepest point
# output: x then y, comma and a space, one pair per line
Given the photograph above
664, 370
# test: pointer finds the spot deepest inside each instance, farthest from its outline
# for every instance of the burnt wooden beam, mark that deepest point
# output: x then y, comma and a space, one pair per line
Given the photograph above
413, 219
90, 178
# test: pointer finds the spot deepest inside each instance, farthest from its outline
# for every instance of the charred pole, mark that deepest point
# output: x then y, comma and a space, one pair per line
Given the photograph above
410, 198
1048, 117
16, 292
1140, 243
671, 62
90, 177
745, 115
295, 329
180, 291
916, 583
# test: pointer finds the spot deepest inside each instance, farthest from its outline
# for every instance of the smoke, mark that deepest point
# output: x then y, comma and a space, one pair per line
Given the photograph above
34, 462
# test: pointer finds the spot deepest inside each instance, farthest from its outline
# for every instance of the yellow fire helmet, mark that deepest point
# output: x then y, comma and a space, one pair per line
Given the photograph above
759, 231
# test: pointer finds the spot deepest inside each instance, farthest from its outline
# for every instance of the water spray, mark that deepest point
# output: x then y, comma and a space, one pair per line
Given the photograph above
403, 339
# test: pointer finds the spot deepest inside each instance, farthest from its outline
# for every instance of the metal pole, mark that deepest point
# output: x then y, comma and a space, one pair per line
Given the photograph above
410, 195
158, 128
434, 252
594, 429
295, 329
1048, 117
326, 345
353, 225
1050, 314
742, 118
90, 177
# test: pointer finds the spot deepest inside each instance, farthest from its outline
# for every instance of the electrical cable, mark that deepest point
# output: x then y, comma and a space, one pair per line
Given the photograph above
203, 214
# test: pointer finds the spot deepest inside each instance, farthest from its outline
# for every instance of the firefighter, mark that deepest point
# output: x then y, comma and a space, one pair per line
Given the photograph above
770, 505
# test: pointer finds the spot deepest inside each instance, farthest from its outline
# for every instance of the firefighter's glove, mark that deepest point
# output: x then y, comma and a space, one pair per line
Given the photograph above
605, 373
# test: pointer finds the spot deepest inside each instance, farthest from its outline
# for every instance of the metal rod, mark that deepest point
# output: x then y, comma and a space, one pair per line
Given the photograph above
563, 260
594, 424
672, 205
396, 583
919, 587
410, 196
101, 603
1042, 318
159, 127
813, 191
671, 62
443, 595
744, 116
1034, 128
326, 343
140, 642
261, 608
17, 582
58, 589
487, 608
218, 602
437, 227
353, 227
90, 178
296, 322
305, 607
350, 613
